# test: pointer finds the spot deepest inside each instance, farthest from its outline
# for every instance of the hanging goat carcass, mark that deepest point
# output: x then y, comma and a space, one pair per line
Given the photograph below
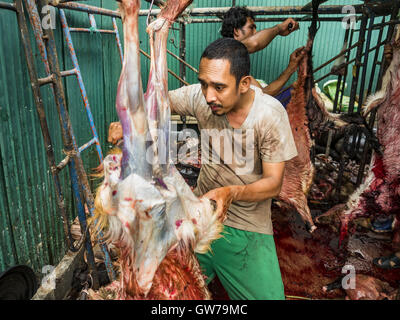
144, 204
380, 192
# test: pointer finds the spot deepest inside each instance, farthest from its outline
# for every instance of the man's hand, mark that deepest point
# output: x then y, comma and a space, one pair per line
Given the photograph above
115, 132
223, 197
284, 29
295, 58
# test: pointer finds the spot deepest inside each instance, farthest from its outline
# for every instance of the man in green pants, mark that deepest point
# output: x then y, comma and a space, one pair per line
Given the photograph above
226, 105
249, 138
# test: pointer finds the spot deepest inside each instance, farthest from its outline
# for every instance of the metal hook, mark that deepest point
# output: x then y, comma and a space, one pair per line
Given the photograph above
148, 15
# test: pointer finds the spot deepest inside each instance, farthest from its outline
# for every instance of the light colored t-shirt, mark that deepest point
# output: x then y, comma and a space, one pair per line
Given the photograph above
265, 135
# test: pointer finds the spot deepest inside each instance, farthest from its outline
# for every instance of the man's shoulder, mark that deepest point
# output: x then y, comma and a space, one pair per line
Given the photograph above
191, 90
268, 106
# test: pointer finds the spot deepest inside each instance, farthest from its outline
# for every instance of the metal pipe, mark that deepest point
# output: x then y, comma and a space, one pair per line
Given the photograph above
9, 6
263, 10
171, 72
182, 54
87, 145
91, 30
25, 40
89, 9
75, 164
218, 20
272, 10
183, 61
365, 63
346, 69
117, 38
339, 82
82, 88
360, 47
335, 57
374, 64
67, 73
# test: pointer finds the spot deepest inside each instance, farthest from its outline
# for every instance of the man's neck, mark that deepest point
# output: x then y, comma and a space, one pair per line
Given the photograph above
239, 113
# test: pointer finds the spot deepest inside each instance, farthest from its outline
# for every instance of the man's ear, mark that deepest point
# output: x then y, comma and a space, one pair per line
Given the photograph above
236, 33
244, 84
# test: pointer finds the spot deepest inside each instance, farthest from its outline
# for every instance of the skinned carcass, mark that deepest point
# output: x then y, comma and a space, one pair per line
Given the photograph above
308, 119
380, 192
144, 204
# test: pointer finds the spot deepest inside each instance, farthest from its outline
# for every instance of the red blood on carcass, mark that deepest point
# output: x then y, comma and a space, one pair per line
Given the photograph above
157, 259
380, 192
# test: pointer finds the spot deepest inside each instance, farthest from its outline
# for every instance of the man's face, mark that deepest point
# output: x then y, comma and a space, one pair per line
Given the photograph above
246, 31
218, 85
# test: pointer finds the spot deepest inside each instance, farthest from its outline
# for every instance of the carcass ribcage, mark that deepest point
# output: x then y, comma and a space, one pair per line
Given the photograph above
147, 205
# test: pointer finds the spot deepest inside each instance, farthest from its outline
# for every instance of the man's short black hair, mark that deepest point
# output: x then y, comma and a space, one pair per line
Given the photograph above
232, 50
235, 18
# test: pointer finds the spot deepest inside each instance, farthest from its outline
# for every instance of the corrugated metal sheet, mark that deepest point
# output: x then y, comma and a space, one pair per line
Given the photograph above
30, 229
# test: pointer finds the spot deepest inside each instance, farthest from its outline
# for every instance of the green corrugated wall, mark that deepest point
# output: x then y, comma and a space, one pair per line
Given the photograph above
30, 228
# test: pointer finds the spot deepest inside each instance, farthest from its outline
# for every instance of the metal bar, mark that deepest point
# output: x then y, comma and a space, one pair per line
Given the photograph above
346, 70
63, 163
181, 58
67, 73
183, 62
89, 9
92, 21
365, 63
384, 24
91, 30
335, 57
218, 20
263, 10
25, 40
87, 145
46, 80
171, 72
360, 47
117, 38
9, 6
70, 148
271, 10
374, 64
339, 82
80, 81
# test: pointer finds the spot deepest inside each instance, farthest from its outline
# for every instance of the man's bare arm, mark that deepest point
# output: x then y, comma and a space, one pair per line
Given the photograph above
276, 86
264, 37
267, 187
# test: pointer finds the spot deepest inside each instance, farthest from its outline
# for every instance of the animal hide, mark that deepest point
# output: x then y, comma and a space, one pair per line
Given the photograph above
144, 204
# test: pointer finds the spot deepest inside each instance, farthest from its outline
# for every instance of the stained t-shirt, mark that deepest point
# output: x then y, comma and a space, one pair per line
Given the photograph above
234, 156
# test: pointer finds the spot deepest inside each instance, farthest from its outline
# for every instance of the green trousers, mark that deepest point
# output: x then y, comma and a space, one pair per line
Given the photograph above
246, 264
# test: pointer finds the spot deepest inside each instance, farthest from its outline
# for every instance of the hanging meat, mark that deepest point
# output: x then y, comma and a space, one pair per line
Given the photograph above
144, 204
380, 192
308, 119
